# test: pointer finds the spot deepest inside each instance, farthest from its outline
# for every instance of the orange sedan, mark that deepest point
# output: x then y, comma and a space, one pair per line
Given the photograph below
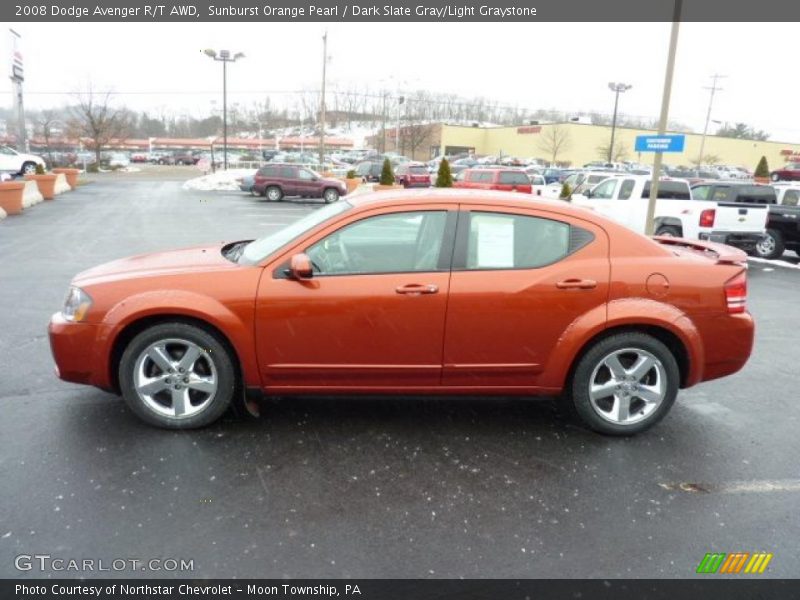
430, 292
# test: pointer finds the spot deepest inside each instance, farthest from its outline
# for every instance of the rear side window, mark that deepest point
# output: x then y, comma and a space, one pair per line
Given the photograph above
626, 189
669, 190
287, 172
269, 171
505, 241
480, 176
790, 197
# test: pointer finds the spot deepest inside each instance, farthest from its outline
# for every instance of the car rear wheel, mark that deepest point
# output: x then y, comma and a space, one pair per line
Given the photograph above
771, 245
775, 177
330, 195
28, 168
177, 376
669, 231
625, 384
273, 193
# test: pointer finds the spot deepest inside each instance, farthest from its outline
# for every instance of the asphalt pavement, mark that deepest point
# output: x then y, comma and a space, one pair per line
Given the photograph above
369, 487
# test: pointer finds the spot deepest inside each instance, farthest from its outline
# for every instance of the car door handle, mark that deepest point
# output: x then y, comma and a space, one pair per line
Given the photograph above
415, 289
576, 284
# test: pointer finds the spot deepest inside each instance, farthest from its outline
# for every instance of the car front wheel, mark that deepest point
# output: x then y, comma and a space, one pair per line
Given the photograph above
177, 376
625, 384
273, 193
771, 245
330, 195
29, 168
775, 177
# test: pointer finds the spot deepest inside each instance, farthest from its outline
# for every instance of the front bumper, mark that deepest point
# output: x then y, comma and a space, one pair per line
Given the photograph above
746, 240
72, 345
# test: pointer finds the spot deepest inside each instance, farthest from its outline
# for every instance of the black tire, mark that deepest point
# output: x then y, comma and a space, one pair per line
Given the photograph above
669, 230
592, 360
28, 168
771, 246
273, 193
217, 355
330, 195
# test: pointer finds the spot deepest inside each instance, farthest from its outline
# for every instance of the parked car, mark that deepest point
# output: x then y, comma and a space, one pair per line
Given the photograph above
186, 158
625, 199
118, 159
274, 181
246, 183
791, 172
369, 170
783, 224
581, 181
551, 175
19, 163
501, 179
412, 175
390, 293
139, 157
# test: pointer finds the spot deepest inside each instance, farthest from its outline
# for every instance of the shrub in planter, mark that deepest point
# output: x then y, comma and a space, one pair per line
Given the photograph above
566, 192
386, 182
352, 180
40, 170
444, 178
761, 174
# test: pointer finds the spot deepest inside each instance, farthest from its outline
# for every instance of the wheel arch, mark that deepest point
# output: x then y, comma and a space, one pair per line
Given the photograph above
140, 324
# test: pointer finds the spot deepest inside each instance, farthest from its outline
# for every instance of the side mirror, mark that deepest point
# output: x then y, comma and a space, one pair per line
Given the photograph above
300, 267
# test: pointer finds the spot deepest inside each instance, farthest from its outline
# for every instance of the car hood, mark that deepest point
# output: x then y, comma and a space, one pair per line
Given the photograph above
195, 259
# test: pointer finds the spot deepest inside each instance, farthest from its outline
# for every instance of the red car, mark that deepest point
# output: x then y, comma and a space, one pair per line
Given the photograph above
791, 172
504, 180
276, 181
412, 175
444, 292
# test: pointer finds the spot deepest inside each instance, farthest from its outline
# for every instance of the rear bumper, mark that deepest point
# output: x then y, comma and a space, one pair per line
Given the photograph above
72, 346
745, 240
729, 342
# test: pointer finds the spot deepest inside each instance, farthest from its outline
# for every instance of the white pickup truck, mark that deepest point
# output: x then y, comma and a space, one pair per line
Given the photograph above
624, 199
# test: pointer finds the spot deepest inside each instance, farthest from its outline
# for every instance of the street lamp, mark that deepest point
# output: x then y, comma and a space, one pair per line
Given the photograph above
617, 88
224, 56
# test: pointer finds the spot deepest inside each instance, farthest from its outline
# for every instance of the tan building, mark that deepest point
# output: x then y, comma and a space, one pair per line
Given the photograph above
574, 143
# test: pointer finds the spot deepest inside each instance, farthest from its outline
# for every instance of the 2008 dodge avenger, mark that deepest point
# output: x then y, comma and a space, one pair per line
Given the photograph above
431, 292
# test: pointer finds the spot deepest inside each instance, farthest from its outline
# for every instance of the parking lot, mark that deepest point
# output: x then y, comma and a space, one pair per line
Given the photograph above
343, 487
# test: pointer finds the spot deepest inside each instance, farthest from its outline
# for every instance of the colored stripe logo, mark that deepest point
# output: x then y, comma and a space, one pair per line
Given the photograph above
734, 563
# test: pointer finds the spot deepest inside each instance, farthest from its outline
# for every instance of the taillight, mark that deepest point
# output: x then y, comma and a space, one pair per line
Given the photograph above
707, 217
736, 293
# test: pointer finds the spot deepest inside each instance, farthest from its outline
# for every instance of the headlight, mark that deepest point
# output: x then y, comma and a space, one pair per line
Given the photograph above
76, 305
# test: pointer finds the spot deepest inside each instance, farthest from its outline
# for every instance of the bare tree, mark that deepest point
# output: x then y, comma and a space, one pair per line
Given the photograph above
413, 134
45, 121
554, 140
95, 118
620, 151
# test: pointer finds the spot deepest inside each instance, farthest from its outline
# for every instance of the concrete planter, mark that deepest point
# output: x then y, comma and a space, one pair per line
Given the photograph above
381, 188
352, 183
71, 175
761, 179
31, 194
46, 183
11, 196
61, 184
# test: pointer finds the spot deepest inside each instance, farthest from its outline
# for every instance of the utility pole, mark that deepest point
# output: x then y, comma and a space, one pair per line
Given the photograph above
322, 108
17, 77
716, 77
400, 100
662, 123
617, 88
383, 142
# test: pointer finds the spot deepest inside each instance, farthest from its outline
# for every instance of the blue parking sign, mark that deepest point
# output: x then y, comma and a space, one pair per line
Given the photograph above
660, 143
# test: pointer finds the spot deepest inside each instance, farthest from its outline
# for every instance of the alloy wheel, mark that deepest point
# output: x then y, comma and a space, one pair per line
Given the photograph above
766, 245
627, 386
175, 378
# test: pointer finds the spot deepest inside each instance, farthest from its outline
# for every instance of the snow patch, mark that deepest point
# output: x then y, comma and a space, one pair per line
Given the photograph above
221, 181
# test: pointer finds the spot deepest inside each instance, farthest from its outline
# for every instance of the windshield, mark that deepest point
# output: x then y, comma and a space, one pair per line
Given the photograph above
259, 249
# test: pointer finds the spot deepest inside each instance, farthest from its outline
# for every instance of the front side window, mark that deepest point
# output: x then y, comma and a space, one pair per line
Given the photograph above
505, 241
305, 175
626, 189
394, 243
605, 190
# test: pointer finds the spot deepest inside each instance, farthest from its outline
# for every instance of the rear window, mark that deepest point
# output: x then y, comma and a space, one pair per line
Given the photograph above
755, 194
669, 190
418, 170
513, 178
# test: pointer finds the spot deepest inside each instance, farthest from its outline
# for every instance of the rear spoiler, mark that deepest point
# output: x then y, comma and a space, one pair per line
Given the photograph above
723, 254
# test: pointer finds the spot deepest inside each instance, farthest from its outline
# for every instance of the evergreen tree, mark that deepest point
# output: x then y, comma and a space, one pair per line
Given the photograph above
762, 170
444, 178
387, 177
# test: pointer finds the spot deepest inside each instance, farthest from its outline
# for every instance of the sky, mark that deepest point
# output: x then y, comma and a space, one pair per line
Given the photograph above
563, 66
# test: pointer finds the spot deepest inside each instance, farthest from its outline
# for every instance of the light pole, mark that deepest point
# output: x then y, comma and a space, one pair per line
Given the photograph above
714, 88
617, 88
224, 56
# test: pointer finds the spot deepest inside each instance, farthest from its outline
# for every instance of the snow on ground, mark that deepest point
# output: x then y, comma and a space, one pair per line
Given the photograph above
2, 214
774, 262
221, 181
